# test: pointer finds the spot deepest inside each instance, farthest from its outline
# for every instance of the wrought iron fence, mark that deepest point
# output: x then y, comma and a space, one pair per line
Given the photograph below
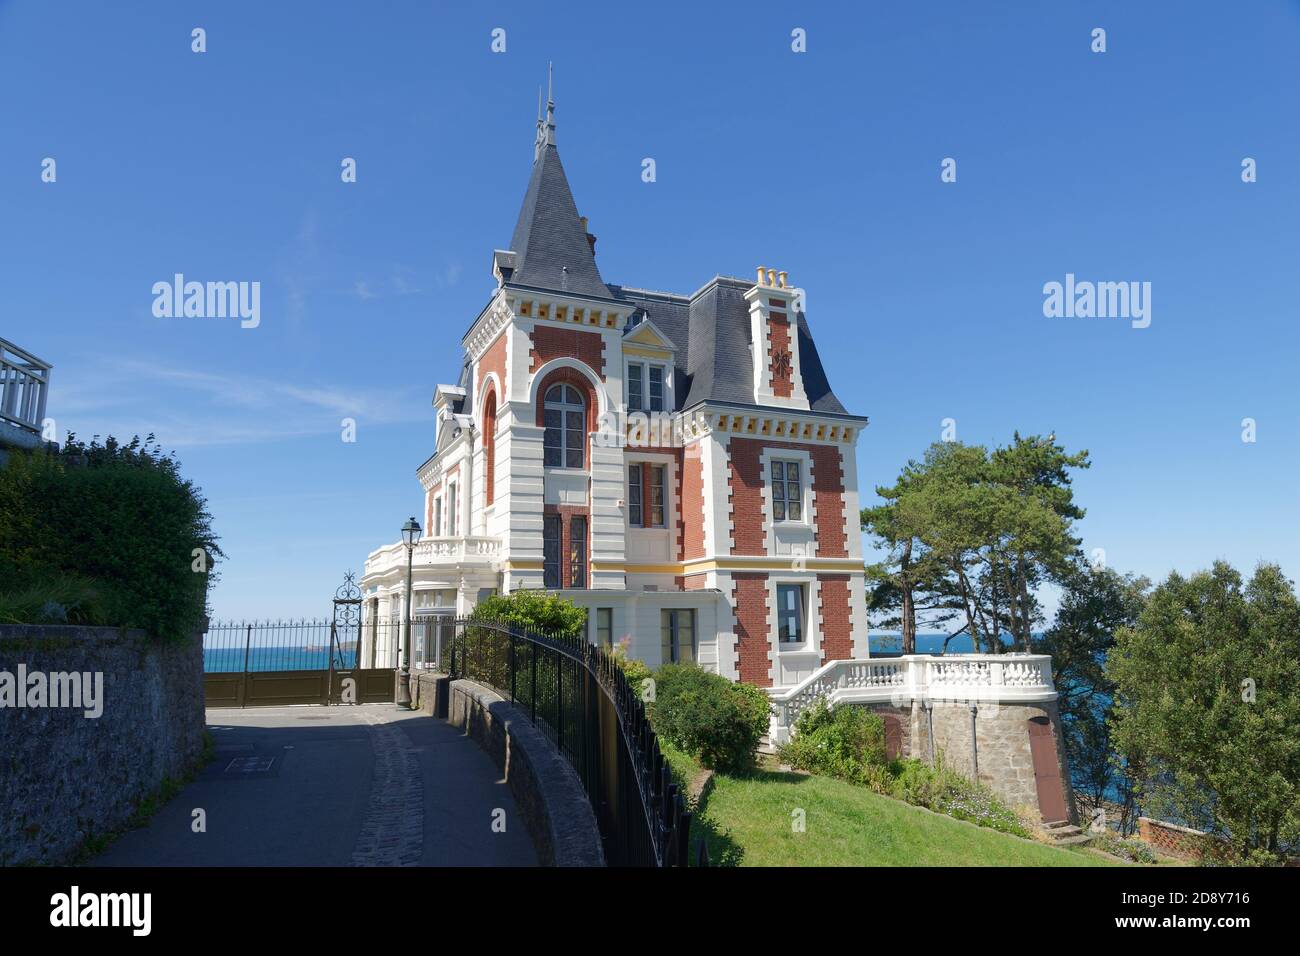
303, 645
576, 694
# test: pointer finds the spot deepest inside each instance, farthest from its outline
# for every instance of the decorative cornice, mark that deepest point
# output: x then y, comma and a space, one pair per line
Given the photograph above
489, 325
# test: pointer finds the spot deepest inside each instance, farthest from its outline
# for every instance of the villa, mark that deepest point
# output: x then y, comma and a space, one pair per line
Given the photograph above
679, 466
676, 464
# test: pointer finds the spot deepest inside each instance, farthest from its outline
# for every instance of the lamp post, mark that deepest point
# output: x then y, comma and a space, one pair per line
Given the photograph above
410, 535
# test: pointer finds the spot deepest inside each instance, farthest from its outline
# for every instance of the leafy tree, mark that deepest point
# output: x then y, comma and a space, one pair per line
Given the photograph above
1207, 708
972, 534
911, 582
1095, 603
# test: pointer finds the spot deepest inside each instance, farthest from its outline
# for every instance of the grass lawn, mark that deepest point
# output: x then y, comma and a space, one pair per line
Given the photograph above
746, 821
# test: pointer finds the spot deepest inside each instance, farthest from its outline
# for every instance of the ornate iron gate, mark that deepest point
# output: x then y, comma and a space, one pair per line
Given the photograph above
250, 664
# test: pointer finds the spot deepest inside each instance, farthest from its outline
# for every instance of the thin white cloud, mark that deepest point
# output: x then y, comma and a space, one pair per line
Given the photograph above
187, 407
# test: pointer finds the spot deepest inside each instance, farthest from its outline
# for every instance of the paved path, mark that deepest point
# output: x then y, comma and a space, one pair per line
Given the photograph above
335, 786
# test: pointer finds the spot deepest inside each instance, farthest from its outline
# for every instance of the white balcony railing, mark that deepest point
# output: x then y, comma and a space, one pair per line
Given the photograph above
990, 678
446, 552
24, 383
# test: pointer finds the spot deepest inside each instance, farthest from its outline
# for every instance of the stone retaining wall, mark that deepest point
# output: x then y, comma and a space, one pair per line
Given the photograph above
65, 776
1000, 745
548, 794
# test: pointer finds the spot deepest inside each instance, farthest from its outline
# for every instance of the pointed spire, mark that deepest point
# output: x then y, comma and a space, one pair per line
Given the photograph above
545, 131
551, 246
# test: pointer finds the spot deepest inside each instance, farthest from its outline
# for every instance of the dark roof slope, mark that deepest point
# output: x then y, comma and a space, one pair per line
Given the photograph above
549, 236
714, 359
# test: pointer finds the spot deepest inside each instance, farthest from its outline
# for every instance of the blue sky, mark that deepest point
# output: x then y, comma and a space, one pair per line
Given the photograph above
925, 297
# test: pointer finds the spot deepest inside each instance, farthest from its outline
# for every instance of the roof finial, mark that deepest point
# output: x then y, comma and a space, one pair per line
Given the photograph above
550, 106
546, 128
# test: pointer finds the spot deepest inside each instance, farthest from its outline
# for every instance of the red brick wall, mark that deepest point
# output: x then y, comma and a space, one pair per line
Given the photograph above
550, 343
837, 622
1180, 842
493, 360
692, 501
692, 582
753, 637
778, 333
746, 480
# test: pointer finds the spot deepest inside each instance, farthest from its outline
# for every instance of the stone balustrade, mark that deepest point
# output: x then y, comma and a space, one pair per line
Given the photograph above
987, 678
459, 551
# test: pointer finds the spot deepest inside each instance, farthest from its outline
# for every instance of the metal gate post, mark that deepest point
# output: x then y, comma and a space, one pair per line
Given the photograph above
243, 684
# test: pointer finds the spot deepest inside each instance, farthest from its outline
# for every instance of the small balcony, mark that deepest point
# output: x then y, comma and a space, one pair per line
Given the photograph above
24, 387
443, 552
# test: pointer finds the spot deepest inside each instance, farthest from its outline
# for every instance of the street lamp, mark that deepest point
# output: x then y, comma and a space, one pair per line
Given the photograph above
410, 535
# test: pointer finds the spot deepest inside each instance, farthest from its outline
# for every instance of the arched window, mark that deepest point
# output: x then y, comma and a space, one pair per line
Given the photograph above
565, 415
490, 448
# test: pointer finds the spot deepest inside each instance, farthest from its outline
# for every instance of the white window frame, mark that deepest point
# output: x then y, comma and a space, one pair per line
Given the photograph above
784, 460
812, 636
653, 460
802, 590
665, 370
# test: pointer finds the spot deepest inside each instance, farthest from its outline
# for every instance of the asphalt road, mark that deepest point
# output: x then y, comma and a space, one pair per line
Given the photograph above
365, 785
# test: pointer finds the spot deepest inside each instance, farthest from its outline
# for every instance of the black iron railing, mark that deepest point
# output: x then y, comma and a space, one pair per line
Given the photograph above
576, 694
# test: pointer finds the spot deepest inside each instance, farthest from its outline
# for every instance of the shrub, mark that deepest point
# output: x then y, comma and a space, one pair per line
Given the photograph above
943, 790
636, 671
104, 534
1126, 848
846, 742
537, 611
711, 718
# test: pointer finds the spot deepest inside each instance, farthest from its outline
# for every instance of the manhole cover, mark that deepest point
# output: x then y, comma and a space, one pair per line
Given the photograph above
249, 766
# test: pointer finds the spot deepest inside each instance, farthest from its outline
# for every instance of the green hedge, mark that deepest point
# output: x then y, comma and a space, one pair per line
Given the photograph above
103, 534
538, 611
711, 718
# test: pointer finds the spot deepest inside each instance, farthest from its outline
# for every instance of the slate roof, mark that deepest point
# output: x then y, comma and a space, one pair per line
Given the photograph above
549, 236
710, 327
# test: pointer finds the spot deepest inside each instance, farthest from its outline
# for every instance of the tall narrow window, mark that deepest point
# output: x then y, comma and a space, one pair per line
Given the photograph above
605, 626
437, 517
551, 551
677, 633
656, 388
564, 414
578, 551
634, 387
657, 473
787, 491
634, 511
790, 613
490, 448
453, 519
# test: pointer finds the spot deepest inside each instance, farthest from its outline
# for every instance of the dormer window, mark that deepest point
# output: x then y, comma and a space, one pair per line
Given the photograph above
645, 387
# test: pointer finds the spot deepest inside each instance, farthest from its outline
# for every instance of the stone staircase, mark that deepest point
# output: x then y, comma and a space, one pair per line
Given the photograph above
1064, 833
